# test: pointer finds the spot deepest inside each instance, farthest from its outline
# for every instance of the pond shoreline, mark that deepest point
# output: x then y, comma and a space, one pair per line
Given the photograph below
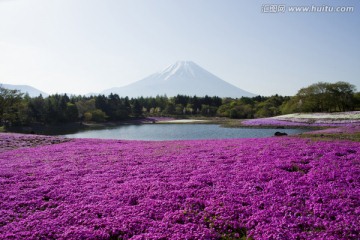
68, 128
312, 121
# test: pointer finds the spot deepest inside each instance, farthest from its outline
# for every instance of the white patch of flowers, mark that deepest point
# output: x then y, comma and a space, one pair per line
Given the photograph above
355, 115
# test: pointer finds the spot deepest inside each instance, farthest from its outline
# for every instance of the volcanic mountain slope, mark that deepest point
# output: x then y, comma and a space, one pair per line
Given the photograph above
33, 92
183, 77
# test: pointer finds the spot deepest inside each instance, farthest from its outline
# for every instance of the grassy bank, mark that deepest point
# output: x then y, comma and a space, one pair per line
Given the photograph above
335, 136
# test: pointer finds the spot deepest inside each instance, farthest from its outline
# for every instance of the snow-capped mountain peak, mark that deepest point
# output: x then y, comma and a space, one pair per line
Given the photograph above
182, 68
183, 77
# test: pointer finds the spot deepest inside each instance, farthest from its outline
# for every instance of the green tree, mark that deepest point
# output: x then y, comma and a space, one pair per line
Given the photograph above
98, 116
23, 111
170, 108
10, 101
37, 109
270, 107
357, 101
342, 96
326, 97
208, 111
292, 105
85, 107
72, 114
180, 109
136, 108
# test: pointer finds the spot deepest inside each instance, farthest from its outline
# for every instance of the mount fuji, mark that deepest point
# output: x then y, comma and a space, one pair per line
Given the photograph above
183, 77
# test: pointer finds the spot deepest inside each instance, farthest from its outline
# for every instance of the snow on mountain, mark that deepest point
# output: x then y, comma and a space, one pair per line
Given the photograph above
183, 77
33, 92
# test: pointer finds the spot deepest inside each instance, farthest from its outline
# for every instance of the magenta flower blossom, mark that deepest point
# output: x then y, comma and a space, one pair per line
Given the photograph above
269, 188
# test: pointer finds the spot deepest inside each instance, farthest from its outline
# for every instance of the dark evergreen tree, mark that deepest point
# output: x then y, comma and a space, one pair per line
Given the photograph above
136, 108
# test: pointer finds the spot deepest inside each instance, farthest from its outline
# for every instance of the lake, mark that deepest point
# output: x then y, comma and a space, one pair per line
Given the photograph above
160, 132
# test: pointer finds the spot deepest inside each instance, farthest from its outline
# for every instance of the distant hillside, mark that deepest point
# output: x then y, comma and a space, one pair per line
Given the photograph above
183, 77
33, 92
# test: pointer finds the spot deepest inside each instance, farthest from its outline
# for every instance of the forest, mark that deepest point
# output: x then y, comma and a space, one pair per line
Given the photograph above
18, 109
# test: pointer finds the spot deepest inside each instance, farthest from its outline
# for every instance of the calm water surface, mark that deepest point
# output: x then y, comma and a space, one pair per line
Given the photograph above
179, 132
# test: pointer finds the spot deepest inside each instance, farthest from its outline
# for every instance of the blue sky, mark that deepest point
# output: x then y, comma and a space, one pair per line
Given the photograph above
82, 46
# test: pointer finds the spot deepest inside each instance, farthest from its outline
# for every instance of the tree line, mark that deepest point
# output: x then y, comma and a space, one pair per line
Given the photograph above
17, 108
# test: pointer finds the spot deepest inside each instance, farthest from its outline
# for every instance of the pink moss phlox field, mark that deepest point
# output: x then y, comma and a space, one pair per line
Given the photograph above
348, 129
10, 141
270, 188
